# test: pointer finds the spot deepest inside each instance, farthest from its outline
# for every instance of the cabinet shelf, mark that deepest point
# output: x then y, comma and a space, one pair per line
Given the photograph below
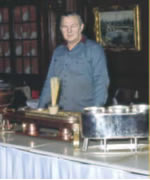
24, 22
23, 39
4, 40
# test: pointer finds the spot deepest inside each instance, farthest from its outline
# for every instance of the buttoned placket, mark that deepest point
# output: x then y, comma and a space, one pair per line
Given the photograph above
64, 81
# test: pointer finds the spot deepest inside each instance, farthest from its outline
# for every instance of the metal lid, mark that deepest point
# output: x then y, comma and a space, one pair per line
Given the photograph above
94, 109
118, 109
139, 108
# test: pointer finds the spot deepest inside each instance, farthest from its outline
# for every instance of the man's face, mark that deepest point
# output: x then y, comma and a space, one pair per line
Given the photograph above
71, 29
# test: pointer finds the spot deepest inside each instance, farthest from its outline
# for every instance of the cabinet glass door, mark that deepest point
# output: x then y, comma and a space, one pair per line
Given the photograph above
19, 40
5, 51
26, 39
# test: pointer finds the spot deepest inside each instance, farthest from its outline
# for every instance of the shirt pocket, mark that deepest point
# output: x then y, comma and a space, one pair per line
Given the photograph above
58, 65
79, 66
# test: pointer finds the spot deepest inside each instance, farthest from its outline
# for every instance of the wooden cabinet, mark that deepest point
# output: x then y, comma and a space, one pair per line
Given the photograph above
20, 41
27, 38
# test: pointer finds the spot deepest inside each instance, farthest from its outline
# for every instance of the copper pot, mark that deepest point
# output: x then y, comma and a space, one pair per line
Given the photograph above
32, 129
66, 134
24, 127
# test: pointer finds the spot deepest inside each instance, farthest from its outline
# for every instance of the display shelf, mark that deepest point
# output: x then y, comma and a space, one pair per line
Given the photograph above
19, 39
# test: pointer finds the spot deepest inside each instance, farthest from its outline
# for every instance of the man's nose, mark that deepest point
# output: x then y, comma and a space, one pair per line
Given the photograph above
69, 29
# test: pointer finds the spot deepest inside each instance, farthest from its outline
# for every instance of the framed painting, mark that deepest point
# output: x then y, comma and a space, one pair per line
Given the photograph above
118, 28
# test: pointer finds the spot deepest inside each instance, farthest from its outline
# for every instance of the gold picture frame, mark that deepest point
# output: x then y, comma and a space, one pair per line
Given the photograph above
118, 28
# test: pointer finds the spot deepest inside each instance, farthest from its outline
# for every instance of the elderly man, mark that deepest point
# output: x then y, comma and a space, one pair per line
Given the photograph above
80, 64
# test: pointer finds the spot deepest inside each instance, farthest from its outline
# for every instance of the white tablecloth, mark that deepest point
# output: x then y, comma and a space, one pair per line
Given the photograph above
17, 163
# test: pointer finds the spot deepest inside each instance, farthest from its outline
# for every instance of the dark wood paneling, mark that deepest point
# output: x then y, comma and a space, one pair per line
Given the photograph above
127, 69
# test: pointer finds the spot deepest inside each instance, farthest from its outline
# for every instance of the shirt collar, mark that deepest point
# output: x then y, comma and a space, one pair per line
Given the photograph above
83, 39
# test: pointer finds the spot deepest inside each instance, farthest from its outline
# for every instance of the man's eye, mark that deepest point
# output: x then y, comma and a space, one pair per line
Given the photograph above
74, 26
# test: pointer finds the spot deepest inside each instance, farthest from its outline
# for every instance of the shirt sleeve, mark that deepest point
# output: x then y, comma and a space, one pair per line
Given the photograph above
45, 97
100, 75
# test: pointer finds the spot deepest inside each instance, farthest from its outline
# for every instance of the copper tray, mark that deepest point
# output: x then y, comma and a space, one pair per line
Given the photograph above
71, 117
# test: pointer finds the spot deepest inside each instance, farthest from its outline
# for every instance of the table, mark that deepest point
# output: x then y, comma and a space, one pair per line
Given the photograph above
35, 158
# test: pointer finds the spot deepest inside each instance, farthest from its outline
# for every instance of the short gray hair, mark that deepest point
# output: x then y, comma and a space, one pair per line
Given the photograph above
67, 14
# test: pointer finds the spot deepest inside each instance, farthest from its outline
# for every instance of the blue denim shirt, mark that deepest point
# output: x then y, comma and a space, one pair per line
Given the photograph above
83, 76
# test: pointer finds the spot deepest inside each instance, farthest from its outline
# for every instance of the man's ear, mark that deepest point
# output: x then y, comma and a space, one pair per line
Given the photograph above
82, 27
